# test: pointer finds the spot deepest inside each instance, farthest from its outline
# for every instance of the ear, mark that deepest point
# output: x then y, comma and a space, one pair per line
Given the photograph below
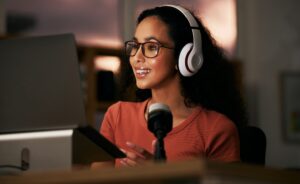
176, 67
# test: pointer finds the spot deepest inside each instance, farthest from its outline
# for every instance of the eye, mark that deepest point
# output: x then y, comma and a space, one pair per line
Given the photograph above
152, 46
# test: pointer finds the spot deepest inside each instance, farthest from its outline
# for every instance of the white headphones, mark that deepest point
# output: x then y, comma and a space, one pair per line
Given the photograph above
190, 57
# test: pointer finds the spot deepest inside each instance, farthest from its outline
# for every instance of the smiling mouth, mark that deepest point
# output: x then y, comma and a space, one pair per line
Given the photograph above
142, 71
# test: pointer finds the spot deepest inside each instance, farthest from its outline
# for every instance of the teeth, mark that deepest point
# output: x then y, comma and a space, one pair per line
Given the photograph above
142, 71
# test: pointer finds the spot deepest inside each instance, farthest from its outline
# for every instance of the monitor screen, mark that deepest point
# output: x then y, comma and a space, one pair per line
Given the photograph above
40, 84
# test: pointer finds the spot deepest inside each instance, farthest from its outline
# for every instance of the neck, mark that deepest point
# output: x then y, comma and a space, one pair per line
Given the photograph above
168, 94
175, 101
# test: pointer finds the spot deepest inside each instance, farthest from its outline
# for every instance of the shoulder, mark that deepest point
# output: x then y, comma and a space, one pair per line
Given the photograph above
217, 122
222, 139
127, 106
122, 111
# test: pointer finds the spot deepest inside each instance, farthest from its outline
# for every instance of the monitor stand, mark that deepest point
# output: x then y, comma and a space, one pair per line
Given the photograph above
55, 149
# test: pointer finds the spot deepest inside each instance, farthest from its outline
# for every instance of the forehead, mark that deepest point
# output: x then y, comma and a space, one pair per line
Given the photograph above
152, 27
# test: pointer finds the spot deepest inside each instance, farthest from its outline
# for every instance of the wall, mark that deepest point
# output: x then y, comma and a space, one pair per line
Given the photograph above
268, 44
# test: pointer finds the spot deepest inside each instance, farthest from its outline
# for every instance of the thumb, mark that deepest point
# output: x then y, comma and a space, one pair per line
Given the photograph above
153, 145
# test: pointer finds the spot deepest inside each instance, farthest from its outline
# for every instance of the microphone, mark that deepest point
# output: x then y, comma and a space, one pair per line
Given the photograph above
160, 123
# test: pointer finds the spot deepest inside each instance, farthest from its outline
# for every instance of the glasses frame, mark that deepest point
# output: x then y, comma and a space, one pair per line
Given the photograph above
143, 48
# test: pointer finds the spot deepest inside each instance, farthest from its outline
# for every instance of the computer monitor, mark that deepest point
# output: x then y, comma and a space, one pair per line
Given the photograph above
42, 116
40, 84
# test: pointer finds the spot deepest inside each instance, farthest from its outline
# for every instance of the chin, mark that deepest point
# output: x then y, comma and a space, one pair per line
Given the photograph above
142, 86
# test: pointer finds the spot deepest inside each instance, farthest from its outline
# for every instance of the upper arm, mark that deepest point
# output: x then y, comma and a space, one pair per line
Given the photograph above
224, 143
108, 124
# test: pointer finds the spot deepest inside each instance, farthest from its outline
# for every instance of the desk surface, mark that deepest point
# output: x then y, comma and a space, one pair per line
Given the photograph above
194, 171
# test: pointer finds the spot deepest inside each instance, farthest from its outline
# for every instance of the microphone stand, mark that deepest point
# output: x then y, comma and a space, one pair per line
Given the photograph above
159, 152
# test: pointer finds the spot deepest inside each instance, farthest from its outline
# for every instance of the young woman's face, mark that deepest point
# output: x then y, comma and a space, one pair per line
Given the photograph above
157, 72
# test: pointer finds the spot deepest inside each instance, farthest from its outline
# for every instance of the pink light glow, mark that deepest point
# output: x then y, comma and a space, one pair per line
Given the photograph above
220, 18
107, 63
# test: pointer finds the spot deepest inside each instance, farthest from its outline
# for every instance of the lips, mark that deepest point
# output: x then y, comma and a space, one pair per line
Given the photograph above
141, 72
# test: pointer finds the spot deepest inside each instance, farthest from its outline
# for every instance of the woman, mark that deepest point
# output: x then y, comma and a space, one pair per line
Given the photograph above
206, 106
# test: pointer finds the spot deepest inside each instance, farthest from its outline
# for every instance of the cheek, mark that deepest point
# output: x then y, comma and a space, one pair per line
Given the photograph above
164, 63
163, 69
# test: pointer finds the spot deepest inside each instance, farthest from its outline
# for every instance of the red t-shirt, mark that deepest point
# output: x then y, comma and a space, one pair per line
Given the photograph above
207, 134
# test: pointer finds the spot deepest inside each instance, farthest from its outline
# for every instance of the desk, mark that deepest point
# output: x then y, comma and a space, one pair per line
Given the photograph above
191, 172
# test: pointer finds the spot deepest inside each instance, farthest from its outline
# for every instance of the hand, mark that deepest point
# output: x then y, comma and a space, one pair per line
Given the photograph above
101, 165
139, 157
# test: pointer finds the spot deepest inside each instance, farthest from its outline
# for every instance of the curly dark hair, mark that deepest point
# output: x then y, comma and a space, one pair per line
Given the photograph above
214, 86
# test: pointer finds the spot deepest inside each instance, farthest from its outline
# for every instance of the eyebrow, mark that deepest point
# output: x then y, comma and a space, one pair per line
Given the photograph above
148, 39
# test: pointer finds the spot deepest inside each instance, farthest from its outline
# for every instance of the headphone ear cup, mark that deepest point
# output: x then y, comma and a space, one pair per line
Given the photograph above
183, 61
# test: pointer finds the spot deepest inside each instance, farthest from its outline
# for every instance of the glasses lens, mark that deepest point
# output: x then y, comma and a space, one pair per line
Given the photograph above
151, 49
131, 48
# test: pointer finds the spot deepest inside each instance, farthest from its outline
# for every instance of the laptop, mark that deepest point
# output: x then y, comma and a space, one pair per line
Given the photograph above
42, 111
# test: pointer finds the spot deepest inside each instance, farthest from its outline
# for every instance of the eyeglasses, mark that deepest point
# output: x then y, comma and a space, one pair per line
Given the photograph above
149, 49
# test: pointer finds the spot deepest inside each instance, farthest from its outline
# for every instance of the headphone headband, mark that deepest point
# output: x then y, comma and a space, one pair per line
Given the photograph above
187, 14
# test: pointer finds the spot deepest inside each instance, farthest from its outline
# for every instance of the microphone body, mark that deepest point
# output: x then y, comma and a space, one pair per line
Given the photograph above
160, 123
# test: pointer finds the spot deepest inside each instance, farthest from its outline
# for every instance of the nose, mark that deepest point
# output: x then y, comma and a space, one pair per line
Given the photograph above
139, 56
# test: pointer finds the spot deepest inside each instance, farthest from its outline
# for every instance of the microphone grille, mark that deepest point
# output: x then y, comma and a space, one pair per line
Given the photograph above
158, 106
160, 119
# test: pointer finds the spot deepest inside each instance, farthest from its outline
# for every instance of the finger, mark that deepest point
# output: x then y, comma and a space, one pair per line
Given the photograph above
124, 151
143, 152
135, 157
128, 162
123, 162
153, 145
